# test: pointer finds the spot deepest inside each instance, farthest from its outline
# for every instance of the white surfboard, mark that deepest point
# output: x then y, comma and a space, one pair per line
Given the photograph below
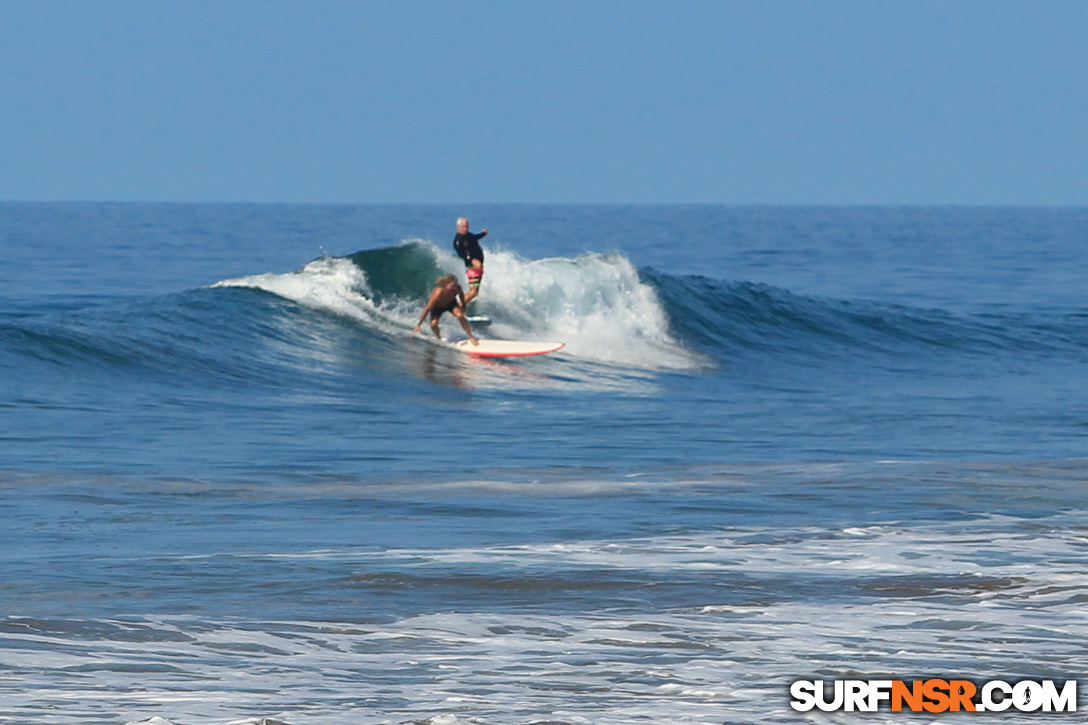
506, 348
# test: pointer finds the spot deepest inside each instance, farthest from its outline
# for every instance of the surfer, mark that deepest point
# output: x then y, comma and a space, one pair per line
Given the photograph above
467, 246
447, 296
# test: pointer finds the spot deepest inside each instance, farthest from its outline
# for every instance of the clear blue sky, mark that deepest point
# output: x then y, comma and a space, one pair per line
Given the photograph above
806, 101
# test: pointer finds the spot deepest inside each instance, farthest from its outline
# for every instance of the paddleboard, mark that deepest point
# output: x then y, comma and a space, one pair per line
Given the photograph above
506, 348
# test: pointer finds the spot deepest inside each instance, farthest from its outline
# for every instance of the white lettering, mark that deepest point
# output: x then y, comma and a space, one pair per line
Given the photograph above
988, 696
1027, 696
856, 695
1064, 702
804, 697
880, 690
823, 704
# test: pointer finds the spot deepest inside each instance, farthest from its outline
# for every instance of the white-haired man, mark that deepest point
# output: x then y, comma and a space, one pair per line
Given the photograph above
467, 246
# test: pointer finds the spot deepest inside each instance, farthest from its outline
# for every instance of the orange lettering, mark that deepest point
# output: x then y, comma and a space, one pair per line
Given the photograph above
961, 692
913, 696
935, 691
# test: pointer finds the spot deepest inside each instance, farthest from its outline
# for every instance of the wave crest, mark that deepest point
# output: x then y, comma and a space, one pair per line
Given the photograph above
597, 304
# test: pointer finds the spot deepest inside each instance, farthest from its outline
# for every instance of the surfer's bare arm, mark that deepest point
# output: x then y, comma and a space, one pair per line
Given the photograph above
426, 309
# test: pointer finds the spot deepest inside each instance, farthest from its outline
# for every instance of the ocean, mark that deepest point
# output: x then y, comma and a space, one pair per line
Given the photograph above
780, 444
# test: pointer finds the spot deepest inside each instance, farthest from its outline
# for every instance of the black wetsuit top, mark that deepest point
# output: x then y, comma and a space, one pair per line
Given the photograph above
467, 246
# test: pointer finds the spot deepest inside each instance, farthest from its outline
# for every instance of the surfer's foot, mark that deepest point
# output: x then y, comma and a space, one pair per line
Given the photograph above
474, 340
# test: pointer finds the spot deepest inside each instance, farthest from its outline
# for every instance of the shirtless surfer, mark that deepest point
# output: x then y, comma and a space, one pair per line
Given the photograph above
447, 296
467, 246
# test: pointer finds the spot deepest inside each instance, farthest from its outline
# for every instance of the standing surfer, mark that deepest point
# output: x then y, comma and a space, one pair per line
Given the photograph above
447, 296
467, 246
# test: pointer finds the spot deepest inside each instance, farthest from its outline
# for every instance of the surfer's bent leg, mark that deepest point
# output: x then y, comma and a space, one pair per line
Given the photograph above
459, 313
475, 275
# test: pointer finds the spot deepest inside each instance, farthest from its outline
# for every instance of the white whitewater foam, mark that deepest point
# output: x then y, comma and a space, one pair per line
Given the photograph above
595, 303
328, 284
716, 658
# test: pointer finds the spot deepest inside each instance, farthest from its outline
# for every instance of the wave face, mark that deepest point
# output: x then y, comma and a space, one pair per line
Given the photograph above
597, 304
745, 317
607, 312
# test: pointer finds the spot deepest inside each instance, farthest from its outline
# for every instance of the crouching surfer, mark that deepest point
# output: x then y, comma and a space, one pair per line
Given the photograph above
447, 296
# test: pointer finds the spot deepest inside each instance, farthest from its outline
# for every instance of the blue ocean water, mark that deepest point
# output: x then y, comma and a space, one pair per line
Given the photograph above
781, 443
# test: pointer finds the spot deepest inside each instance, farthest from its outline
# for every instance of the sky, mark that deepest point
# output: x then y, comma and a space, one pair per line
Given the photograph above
562, 101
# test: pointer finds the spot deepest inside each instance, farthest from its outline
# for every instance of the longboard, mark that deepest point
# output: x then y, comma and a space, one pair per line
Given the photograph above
506, 348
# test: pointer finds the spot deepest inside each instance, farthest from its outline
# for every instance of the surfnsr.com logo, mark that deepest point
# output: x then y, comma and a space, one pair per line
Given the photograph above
934, 696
